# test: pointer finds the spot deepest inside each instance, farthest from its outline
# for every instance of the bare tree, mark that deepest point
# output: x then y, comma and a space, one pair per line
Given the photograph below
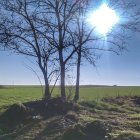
55, 31
22, 33
115, 40
59, 16
41, 29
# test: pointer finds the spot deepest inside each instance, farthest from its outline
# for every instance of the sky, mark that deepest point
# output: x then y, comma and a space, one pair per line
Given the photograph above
123, 70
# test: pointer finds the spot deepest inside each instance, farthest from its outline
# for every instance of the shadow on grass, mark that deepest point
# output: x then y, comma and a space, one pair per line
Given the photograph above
57, 119
18, 115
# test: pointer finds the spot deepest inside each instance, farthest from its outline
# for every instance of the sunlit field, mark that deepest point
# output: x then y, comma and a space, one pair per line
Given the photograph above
10, 95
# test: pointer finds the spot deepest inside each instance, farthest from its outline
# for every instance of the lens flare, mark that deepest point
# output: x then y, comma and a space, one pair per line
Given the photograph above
103, 19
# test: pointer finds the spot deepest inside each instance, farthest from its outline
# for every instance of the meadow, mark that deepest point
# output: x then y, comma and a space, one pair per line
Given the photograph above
10, 95
98, 114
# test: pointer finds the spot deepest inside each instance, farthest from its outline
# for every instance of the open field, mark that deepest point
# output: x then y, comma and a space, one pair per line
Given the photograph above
103, 113
10, 95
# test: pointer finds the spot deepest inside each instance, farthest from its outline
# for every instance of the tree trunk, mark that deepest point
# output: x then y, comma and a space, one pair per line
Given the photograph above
63, 94
62, 67
76, 97
47, 88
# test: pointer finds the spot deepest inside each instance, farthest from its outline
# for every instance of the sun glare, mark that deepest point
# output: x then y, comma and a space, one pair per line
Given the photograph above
103, 19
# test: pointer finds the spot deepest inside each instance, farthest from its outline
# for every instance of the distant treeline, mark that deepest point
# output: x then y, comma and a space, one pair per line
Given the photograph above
11, 86
97, 85
93, 86
2, 86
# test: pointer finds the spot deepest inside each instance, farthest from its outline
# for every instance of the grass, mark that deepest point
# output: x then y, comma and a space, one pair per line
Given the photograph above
10, 95
99, 119
90, 93
123, 121
120, 114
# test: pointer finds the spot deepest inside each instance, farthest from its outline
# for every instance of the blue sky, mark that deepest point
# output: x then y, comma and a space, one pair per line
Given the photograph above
111, 69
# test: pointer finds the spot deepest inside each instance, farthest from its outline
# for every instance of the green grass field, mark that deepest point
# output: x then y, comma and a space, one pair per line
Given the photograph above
22, 94
111, 118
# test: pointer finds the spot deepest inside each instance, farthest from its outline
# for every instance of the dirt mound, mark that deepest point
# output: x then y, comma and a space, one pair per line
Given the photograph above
53, 106
96, 130
75, 133
121, 100
73, 116
136, 100
15, 113
115, 100
37, 107
59, 106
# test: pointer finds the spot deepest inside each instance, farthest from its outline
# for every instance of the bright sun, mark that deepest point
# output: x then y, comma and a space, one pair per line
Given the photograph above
103, 19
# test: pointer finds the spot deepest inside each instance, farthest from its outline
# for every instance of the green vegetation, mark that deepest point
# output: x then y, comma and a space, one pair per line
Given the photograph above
103, 113
10, 95
22, 94
98, 120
